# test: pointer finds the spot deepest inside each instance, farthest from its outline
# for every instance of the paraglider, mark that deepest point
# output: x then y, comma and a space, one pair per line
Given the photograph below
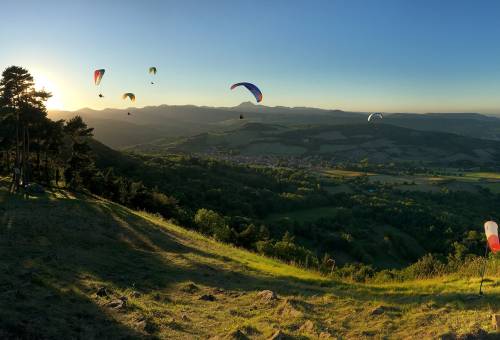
491, 231
129, 95
241, 116
152, 71
98, 74
375, 116
252, 88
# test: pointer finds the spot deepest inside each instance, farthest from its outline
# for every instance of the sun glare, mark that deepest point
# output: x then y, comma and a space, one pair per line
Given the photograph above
43, 82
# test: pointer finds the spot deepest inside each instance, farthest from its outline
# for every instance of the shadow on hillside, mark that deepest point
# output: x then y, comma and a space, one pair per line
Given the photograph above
56, 254
32, 309
151, 246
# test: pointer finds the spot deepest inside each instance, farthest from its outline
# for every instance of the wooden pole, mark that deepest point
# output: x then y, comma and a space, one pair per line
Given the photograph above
484, 269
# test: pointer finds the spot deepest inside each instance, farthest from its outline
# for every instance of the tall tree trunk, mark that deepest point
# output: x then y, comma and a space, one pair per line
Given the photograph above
23, 156
17, 165
27, 166
46, 174
38, 160
8, 160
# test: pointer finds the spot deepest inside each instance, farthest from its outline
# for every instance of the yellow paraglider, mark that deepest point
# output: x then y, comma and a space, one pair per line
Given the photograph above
129, 95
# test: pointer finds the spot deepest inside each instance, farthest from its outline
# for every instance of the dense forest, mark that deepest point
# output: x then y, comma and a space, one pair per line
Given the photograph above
373, 227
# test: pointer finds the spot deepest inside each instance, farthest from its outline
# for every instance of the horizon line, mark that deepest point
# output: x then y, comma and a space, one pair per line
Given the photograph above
276, 106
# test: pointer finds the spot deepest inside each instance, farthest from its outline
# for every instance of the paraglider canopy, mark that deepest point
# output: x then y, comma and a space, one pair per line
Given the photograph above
491, 231
152, 71
98, 74
252, 88
375, 116
129, 95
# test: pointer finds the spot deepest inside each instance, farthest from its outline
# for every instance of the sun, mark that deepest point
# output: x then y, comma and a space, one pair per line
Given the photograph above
44, 82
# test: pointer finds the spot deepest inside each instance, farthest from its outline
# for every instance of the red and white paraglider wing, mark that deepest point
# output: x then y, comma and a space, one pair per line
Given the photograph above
98, 74
491, 230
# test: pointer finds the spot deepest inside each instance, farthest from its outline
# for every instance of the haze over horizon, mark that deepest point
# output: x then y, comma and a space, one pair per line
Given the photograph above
389, 56
251, 104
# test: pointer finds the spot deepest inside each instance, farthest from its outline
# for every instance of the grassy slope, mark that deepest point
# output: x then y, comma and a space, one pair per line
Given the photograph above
56, 250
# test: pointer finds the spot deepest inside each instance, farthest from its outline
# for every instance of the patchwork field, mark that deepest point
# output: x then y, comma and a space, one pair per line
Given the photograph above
466, 181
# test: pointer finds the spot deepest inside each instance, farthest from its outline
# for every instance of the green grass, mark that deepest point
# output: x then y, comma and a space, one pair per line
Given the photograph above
483, 175
344, 173
58, 249
466, 181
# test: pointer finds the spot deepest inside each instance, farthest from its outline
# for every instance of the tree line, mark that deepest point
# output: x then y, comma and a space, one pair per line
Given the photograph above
35, 148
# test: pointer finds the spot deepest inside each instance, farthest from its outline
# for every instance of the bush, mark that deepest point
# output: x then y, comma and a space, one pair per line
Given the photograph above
426, 267
286, 250
356, 272
156, 202
208, 221
211, 223
386, 275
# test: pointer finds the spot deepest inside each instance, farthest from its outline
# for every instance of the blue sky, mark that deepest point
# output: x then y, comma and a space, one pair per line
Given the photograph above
370, 55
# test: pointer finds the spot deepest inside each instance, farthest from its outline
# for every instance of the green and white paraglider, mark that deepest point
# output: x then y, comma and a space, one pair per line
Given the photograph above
152, 72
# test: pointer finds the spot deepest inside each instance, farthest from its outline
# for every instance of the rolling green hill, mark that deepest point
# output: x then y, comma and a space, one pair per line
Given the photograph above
383, 220
74, 266
464, 124
118, 129
380, 143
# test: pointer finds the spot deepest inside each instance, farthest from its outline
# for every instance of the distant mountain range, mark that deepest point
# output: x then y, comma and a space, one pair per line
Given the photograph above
158, 126
116, 128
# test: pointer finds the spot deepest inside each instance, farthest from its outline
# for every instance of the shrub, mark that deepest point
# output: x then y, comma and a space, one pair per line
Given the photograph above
426, 267
357, 272
208, 221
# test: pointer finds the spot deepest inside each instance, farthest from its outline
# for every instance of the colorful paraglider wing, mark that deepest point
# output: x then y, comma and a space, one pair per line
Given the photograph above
98, 76
152, 70
491, 230
252, 88
129, 95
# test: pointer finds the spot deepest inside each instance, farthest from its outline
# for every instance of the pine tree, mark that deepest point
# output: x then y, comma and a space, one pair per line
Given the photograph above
22, 109
81, 168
